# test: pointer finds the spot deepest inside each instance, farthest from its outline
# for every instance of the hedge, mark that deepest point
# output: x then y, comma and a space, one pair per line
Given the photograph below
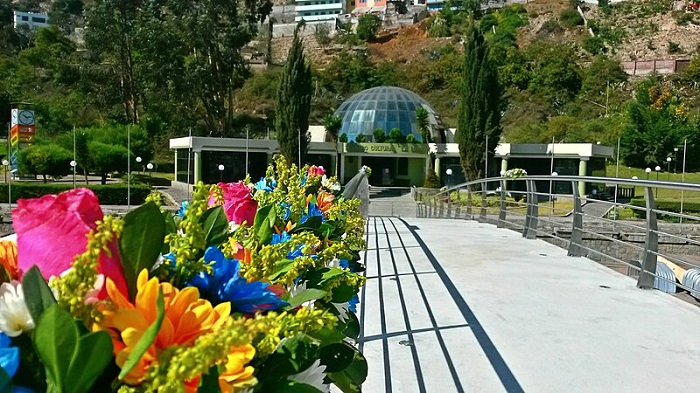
111, 194
669, 205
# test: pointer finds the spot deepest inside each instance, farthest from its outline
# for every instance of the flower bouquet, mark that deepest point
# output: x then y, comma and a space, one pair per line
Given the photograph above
249, 287
514, 173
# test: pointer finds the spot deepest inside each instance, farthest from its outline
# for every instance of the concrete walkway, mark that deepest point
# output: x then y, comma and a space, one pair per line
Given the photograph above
453, 306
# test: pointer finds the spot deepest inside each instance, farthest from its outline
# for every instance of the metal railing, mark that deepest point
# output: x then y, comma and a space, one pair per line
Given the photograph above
590, 225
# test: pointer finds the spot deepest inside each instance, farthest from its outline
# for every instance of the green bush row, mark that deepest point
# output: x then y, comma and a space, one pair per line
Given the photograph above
111, 194
671, 205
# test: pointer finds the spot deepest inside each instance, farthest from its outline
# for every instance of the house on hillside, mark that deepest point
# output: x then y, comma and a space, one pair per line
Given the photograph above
316, 10
34, 20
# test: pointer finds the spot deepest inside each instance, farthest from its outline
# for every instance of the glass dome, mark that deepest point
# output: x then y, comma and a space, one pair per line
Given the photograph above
384, 107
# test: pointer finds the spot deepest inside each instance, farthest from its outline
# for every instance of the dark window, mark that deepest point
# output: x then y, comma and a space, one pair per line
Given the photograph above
182, 166
25, 18
39, 20
403, 166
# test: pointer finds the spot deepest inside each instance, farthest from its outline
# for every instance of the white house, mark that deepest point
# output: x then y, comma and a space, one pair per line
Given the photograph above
315, 10
33, 19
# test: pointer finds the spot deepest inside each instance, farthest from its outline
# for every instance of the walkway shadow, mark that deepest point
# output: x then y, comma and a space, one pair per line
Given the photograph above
401, 268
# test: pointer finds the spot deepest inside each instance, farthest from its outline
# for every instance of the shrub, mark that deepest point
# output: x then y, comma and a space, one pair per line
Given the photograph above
368, 26
395, 135
410, 138
379, 135
673, 206
343, 138
570, 18
112, 194
487, 22
674, 47
361, 138
323, 34
594, 45
431, 180
550, 26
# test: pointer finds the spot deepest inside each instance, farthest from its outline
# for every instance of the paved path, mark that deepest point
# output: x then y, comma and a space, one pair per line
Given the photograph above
454, 305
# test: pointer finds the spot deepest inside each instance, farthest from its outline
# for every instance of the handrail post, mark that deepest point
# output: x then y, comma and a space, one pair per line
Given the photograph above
528, 208
434, 206
532, 199
442, 207
482, 213
458, 209
575, 249
449, 203
469, 202
502, 207
651, 244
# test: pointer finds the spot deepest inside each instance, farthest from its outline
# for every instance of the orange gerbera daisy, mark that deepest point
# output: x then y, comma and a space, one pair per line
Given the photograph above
8, 259
324, 200
236, 374
186, 317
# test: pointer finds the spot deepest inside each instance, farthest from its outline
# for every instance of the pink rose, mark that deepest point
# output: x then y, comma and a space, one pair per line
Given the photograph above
53, 229
316, 171
239, 204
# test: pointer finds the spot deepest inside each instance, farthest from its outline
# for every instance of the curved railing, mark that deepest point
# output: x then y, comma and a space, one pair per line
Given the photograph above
578, 224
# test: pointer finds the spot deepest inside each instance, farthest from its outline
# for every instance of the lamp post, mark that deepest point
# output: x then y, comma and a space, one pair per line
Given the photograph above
73, 164
6, 164
448, 172
138, 161
648, 171
221, 172
555, 187
149, 166
675, 160
668, 167
657, 169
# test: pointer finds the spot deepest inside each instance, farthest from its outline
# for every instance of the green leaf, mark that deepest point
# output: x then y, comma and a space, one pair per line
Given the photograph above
305, 296
349, 379
170, 227
215, 224
343, 293
5, 381
352, 326
290, 387
321, 276
141, 242
37, 293
281, 267
55, 340
148, 337
337, 356
265, 220
93, 355
210, 381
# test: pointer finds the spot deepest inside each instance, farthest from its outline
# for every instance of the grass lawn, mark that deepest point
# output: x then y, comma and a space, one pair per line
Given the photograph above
628, 173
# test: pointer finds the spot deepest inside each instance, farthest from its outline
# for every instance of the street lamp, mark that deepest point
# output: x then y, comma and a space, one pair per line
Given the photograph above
221, 172
668, 167
648, 171
675, 160
73, 164
657, 169
6, 164
138, 160
149, 166
448, 172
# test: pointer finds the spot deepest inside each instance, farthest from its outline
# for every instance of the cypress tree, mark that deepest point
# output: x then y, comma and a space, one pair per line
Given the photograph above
294, 104
479, 111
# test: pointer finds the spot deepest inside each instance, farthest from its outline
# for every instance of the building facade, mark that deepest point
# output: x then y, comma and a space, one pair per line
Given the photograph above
34, 20
316, 10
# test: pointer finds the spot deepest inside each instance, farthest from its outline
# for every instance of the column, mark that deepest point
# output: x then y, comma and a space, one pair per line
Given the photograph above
582, 171
438, 168
197, 166
504, 164
175, 166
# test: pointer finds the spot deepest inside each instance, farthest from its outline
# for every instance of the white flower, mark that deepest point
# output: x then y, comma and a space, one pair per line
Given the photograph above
333, 186
312, 376
14, 315
343, 309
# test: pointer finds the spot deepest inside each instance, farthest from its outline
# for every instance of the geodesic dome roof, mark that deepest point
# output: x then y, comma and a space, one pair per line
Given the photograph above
384, 107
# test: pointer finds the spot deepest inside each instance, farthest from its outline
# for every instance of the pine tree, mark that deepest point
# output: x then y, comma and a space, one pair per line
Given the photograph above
294, 104
479, 111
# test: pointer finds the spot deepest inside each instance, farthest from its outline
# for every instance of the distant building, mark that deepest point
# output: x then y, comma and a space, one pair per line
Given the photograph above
370, 7
33, 19
315, 10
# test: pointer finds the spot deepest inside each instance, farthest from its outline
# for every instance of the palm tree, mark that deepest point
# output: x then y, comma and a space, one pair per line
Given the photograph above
424, 128
333, 124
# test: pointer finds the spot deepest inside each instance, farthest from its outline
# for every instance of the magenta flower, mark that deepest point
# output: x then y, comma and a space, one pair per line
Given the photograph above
53, 229
239, 204
316, 171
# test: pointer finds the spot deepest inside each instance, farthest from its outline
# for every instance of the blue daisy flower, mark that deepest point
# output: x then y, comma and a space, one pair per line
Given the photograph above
281, 238
265, 185
9, 356
183, 207
312, 211
224, 284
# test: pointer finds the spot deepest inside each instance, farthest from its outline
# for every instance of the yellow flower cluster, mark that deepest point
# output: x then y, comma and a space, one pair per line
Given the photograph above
187, 246
73, 287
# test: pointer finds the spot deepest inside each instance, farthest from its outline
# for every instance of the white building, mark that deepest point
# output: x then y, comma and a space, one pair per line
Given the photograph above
33, 19
314, 10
